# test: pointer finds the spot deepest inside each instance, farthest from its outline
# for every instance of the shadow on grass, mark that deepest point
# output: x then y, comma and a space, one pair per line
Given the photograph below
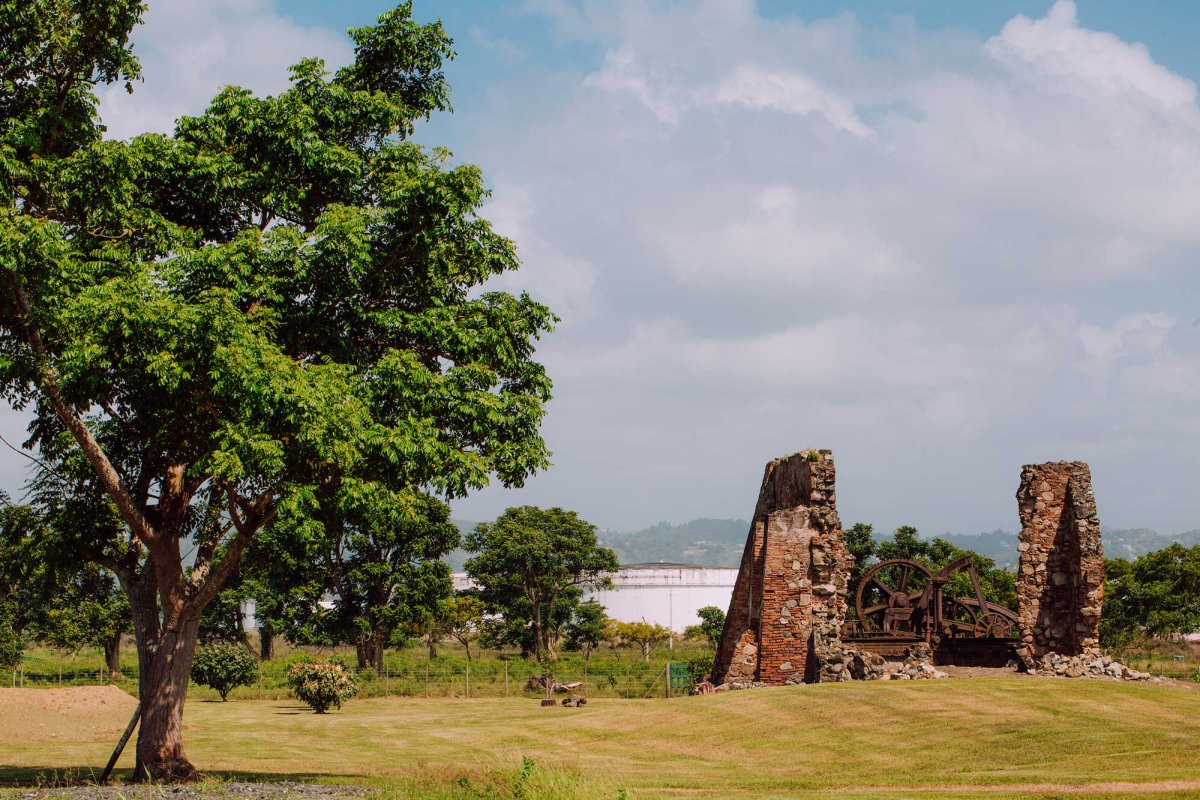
82, 775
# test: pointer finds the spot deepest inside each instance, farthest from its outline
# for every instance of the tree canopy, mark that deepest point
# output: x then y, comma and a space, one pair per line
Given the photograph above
531, 565
1155, 595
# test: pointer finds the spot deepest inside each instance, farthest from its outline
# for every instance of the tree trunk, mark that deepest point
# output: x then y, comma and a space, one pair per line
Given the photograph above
646, 651
432, 644
266, 643
112, 655
370, 653
164, 665
160, 737
539, 644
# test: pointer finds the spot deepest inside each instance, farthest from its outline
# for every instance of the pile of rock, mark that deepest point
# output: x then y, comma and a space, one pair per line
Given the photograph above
1088, 666
732, 686
916, 666
840, 662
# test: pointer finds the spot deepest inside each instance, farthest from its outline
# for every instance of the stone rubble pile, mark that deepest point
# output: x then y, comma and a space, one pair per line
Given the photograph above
839, 662
732, 686
916, 666
1087, 666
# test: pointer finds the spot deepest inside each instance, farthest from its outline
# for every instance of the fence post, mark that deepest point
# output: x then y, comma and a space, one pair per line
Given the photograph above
387, 681
506, 677
468, 677
426, 680
668, 680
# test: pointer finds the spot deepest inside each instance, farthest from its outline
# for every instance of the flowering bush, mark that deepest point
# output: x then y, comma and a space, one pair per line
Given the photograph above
322, 684
224, 667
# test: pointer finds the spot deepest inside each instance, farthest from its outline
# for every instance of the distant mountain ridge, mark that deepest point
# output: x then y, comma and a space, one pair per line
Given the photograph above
709, 542
719, 543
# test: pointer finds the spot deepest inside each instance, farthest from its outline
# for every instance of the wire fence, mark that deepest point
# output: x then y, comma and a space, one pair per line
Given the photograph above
629, 678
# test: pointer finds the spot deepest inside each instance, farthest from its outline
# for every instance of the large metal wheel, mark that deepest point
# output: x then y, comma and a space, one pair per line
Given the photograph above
963, 617
893, 598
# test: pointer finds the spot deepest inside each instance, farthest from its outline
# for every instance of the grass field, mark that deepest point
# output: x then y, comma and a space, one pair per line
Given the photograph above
962, 738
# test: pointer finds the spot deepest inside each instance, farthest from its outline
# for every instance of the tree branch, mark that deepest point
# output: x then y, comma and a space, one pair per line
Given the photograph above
260, 513
92, 451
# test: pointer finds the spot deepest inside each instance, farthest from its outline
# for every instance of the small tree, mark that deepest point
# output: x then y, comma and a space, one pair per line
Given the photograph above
586, 630
712, 624
90, 610
224, 667
322, 684
643, 634
531, 561
464, 616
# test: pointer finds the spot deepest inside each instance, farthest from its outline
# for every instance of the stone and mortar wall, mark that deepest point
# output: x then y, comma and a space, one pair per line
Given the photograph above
789, 601
1060, 580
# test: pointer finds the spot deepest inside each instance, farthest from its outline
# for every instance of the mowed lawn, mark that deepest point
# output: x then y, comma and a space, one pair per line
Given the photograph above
983, 737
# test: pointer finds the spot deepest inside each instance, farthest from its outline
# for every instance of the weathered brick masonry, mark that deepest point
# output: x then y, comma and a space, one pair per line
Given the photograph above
1060, 584
789, 600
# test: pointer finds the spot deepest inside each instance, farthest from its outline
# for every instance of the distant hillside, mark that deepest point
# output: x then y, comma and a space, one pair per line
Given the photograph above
711, 542
719, 543
1118, 543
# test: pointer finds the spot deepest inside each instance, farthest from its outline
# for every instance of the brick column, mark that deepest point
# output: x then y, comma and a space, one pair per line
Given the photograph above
790, 590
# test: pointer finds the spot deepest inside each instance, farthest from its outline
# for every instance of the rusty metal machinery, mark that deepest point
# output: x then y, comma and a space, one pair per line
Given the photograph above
901, 601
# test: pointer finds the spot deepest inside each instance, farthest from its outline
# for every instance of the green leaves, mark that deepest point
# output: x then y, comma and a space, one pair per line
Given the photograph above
1156, 594
224, 667
530, 564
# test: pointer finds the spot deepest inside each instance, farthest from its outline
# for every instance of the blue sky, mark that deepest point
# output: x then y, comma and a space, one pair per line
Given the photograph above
943, 239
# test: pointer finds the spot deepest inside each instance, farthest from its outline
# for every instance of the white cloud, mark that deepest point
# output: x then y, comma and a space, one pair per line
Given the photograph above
1060, 56
792, 92
191, 50
943, 258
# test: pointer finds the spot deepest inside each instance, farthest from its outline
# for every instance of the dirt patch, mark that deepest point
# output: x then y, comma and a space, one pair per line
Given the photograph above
980, 672
75, 714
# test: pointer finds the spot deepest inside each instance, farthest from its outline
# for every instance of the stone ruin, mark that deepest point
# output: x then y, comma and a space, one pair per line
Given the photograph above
790, 597
786, 614
1060, 583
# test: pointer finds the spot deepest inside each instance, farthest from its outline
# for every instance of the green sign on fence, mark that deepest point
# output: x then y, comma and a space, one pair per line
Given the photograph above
681, 676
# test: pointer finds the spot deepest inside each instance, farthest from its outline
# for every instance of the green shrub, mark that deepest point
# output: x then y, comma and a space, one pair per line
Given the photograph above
700, 666
224, 667
322, 684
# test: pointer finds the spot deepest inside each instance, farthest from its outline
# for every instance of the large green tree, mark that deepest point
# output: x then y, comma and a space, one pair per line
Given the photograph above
47, 592
373, 579
26, 576
531, 565
88, 610
276, 311
1154, 595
